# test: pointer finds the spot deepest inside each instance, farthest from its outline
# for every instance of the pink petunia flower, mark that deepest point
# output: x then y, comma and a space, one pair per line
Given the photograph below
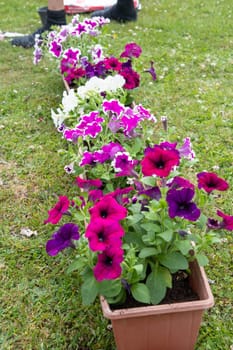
210, 182
108, 266
60, 208
102, 234
131, 50
159, 162
227, 222
108, 209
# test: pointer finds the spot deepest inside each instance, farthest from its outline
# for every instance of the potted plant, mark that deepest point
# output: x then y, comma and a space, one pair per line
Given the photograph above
138, 226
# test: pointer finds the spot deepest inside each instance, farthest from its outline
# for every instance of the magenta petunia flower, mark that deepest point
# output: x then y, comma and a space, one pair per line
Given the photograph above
112, 148
180, 204
119, 194
113, 106
102, 234
227, 222
55, 48
87, 184
132, 79
62, 239
112, 63
159, 162
95, 195
210, 182
108, 209
72, 53
123, 164
87, 159
58, 210
108, 266
131, 50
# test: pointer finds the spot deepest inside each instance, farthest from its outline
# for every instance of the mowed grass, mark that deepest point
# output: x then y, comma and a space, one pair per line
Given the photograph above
191, 45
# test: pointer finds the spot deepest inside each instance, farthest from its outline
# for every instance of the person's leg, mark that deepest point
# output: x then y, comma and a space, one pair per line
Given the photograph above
122, 11
55, 16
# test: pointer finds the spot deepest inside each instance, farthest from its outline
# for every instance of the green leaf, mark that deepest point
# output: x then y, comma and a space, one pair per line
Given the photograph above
76, 265
151, 227
145, 252
140, 292
89, 289
149, 180
183, 246
202, 259
134, 219
157, 283
110, 288
174, 261
166, 235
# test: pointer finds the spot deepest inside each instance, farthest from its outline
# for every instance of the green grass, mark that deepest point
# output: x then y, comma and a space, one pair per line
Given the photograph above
191, 44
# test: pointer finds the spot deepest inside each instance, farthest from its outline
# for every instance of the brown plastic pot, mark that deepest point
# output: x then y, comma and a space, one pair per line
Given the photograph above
162, 327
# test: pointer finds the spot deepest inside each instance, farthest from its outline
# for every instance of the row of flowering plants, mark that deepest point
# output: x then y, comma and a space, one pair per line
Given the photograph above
136, 219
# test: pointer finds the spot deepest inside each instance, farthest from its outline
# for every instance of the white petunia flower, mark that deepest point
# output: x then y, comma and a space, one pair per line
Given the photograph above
69, 101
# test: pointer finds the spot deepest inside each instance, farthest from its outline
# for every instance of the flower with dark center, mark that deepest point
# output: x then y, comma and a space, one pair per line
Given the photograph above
62, 239
160, 162
180, 204
102, 234
108, 209
210, 182
108, 266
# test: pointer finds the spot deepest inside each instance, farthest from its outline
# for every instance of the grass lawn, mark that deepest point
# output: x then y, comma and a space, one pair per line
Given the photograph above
191, 44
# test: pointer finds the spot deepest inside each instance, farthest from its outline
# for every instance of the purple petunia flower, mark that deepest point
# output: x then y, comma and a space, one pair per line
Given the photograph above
60, 208
210, 182
112, 148
151, 70
62, 239
108, 266
102, 234
180, 204
186, 150
131, 50
123, 164
72, 53
132, 79
180, 182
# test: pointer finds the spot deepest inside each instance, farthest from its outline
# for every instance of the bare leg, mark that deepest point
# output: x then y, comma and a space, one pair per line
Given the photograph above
55, 5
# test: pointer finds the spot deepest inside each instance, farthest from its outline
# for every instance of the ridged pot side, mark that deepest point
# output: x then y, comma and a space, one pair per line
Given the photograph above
162, 327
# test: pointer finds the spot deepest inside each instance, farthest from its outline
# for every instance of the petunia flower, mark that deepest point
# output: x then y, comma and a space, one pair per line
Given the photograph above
60, 208
180, 204
160, 162
131, 50
62, 239
180, 182
227, 222
87, 184
103, 234
151, 70
132, 79
186, 150
55, 48
108, 266
108, 209
112, 63
210, 182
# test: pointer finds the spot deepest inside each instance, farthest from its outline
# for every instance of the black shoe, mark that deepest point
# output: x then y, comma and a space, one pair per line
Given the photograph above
57, 18
27, 41
123, 11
